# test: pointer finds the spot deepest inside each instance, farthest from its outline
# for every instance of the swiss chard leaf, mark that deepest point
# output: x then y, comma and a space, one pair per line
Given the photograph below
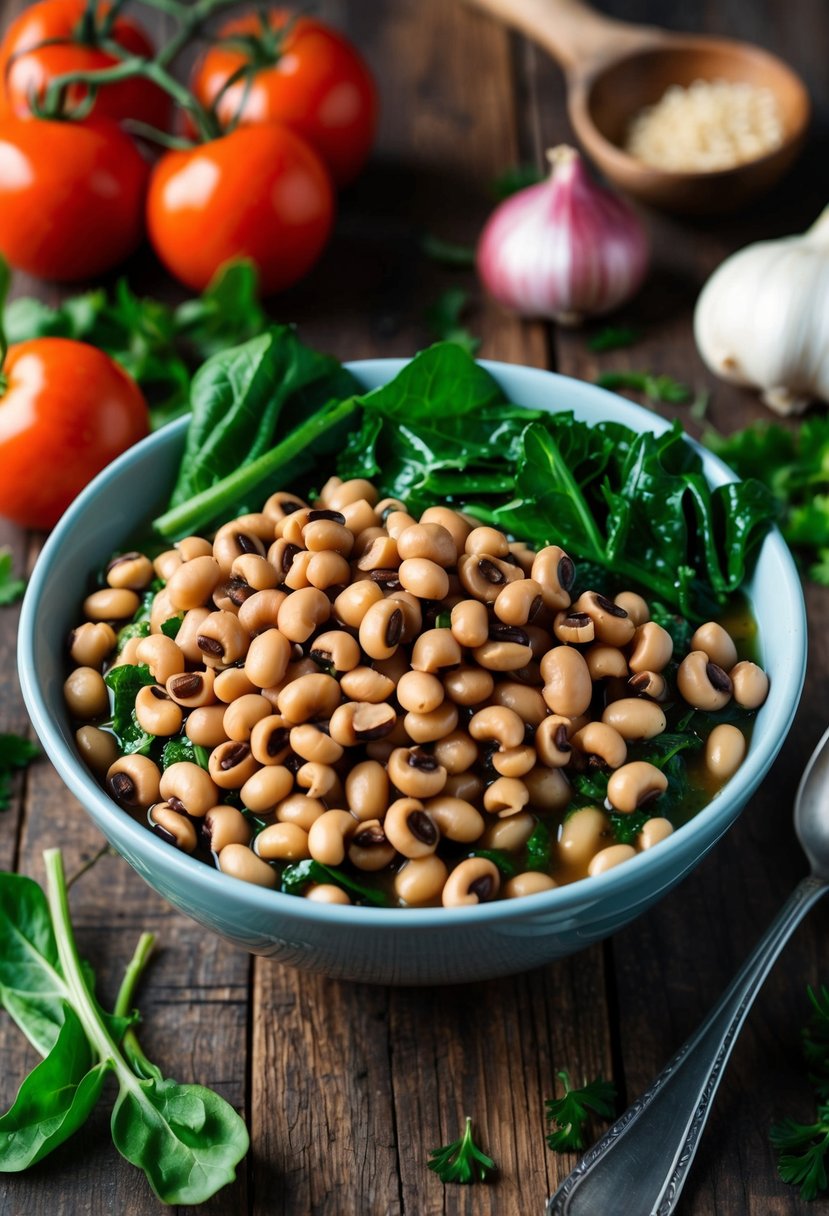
55, 1099
125, 680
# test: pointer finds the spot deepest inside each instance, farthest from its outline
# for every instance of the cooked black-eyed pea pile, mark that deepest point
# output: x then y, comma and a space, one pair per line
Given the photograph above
359, 706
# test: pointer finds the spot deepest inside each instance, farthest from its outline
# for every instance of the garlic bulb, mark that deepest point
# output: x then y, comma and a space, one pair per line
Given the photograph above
565, 249
763, 319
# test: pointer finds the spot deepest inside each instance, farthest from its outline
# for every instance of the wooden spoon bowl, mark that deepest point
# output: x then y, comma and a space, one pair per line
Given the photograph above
614, 70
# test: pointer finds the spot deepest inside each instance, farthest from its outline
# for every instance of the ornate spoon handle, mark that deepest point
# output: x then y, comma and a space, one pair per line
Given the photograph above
640, 1165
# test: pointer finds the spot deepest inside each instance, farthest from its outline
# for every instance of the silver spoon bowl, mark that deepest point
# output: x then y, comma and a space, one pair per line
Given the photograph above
640, 1165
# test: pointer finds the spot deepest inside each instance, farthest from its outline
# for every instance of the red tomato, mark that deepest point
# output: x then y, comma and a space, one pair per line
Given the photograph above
71, 196
317, 84
260, 193
67, 410
27, 68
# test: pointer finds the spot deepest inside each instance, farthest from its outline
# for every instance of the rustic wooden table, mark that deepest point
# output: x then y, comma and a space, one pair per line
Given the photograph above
346, 1088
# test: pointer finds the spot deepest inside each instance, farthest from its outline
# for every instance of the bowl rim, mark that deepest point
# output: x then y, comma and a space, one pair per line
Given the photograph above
261, 901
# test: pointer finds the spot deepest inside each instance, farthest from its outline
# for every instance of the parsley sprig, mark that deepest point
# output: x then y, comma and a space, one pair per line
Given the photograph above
461, 1161
802, 1148
569, 1115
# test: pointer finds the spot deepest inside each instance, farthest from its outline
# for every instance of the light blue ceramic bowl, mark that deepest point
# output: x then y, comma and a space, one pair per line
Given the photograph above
418, 946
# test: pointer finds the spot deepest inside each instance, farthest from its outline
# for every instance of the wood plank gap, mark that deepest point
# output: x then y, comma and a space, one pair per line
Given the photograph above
617, 1055
254, 963
394, 1123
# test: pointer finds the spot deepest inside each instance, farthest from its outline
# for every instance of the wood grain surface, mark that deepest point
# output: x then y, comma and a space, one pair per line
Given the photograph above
346, 1088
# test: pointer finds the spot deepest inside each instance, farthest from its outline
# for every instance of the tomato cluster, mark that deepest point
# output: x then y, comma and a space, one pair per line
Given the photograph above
76, 196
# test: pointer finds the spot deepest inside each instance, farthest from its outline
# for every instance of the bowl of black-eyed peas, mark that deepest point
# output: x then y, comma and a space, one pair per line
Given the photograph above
390, 744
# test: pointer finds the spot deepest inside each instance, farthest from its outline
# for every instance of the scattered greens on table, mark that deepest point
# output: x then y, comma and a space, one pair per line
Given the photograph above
569, 1115
461, 1161
638, 505
802, 1148
159, 345
614, 337
11, 588
185, 1138
657, 388
444, 319
15, 753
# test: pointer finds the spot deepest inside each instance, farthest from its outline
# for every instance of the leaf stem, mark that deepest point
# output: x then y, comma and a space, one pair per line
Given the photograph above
135, 969
189, 516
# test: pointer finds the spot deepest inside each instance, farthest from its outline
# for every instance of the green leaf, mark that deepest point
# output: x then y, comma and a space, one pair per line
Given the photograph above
171, 627
125, 680
15, 753
539, 848
444, 320
135, 629
614, 337
227, 314
185, 1138
31, 988
516, 178
569, 1115
296, 877
658, 388
56, 1098
11, 588
461, 1161
446, 253
181, 749
504, 863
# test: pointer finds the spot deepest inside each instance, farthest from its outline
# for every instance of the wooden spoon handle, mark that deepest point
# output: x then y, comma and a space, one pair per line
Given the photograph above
572, 32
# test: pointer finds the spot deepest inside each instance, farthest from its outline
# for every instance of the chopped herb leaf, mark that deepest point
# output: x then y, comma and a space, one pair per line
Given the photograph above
171, 626
627, 825
15, 753
657, 388
501, 860
183, 749
135, 629
569, 1115
11, 588
444, 319
614, 337
539, 848
447, 253
461, 1161
803, 1148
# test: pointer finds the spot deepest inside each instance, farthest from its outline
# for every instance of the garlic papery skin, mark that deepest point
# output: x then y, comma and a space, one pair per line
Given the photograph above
565, 249
762, 319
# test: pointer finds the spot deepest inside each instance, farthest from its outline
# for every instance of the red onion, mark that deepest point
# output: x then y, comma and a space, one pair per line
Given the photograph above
565, 249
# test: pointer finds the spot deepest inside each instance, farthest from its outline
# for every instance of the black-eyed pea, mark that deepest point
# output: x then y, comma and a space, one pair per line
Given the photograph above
256, 571
416, 772
363, 543
193, 583
366, 684
266, 787
484, 539
527, 703
346, 492
635, 785
320, 781
530, 882
611, 621
241, 715
385, 507
381, 629
468, 684
634, 605
426, 728
98, 748
455, 524
283, 503
111, 604
127, 653
369, 849
191, 689
635, 718
162, 655
470, 623
652, 648
457, 752
231, 764
499, 723
552, 741
294, 671
188, 788
133, 781
359, 722
266, 661
314, 745
717, 644
231, 594
223, 825
378, 553
260, 611
167, 563
419, 881
395, 667
326, 893
311, 696
474, 881
468, 786
291, 528
85, 693
456, 818
381, 749
270, 740
519, 602
420, 692
396, 523
359, 515
204, 726
367, 790
282, 842
554, 571
568, 689
412, 614
584, 833
750, 684
483, 576
429, 541
549, 789
523, 555
233, 539
702, 683
156, 713
434, 650
654, 832
296, 577
506, 796
302, 612
601, 742
650, 684
511, 833
91, 642
574, 627
173, 827
327, 536
221, 640
193, 546
188, 632
514, 761
231, 684
162, 610
241, 862
300, 809
606, 662
508, 649
725, 750
606, 859
335, 651
410, 828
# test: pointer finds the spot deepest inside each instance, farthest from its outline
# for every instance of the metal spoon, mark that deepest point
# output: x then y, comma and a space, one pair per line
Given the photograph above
640, 1165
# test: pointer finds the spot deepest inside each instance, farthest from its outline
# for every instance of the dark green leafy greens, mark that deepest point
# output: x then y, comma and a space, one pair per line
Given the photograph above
11, 588
296, 877
803, 1148
181, 749
185, 1138
159, 345
15, 753
124, 681
657, 388
636, 505
570, 1115
461, 1161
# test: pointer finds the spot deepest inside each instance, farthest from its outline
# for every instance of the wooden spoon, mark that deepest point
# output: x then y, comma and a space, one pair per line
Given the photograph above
615, 69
